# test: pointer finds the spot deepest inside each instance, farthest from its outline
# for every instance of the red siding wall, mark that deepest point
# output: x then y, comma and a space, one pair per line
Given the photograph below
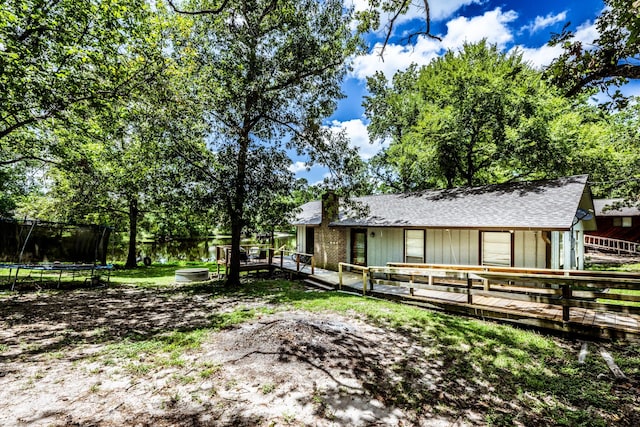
607, 229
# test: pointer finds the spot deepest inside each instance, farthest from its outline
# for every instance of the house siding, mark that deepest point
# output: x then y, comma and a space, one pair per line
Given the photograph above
452, 246
530, 249
386, 246
455, 247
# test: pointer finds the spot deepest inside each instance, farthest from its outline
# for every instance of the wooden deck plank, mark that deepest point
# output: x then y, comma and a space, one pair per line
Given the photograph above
578, 315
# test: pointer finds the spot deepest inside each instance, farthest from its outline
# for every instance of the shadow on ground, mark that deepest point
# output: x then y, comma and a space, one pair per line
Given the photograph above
428, 369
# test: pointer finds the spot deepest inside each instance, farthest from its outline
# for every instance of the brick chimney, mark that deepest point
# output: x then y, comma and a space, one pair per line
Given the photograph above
330, 207
330, 242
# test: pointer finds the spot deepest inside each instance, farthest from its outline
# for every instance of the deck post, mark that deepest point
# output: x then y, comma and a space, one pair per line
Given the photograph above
297, 262
411, 278
566, 296
271, 253
281, 259
469, 285
313, 264
340, 275
364, 282
487, 287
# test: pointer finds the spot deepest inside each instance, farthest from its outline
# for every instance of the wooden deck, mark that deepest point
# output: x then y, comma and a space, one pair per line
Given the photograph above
527, 312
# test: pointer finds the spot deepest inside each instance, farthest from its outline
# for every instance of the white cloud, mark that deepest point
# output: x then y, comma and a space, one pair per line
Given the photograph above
443, 9
587, 33
539, 57
298, 167
396, 57
356, 132
492, 25
542, 22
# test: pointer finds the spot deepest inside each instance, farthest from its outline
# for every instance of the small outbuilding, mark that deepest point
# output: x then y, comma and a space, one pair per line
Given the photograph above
616, 221
538, 224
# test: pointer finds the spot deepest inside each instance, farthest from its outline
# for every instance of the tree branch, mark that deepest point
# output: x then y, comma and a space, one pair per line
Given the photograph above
25, 158
199, 12
400, 11
627, 71
391, 24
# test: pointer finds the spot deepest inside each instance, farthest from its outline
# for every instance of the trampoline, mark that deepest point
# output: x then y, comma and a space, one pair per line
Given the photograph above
95, 271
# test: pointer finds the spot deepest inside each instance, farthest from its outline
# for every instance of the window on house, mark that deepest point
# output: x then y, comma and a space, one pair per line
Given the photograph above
496, 248
414, 246
626, 221
617, 222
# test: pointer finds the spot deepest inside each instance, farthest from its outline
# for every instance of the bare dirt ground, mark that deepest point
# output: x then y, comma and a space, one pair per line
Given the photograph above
62, 363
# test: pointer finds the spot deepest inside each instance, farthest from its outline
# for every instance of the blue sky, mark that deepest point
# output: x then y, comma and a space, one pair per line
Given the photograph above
526, 25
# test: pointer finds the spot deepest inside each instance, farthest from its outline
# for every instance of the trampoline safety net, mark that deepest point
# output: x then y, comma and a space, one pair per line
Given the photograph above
34, 241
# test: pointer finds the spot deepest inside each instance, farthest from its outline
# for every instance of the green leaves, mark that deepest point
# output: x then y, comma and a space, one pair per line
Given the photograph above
469, 118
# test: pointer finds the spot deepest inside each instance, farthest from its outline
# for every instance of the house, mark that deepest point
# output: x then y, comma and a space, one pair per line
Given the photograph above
615, 221
536, 224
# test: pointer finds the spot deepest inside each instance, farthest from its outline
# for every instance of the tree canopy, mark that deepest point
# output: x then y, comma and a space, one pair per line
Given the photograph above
55, 55
471, 117
611, 60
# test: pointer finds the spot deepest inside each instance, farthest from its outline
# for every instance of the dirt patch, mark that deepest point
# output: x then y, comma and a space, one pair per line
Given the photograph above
60, 364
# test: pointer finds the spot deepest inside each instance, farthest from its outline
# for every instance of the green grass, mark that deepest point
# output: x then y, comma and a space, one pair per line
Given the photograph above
156, 275
622, 292
133, 345
631, 268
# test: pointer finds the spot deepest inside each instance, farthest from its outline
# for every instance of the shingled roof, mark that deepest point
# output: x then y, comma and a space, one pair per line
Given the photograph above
603, 207
548, 205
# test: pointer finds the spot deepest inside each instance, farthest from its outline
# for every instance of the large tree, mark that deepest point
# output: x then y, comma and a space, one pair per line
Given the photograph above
114, 164
606, 64
60, 59
471, 117
270, 72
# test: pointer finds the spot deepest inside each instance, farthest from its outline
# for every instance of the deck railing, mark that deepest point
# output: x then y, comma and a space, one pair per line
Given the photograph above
365, 274
573, 291
566, 288
607, 243
301, 259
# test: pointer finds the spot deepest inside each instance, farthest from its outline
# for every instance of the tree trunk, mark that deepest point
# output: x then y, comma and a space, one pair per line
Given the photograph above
133, 233
233, 276
236, 211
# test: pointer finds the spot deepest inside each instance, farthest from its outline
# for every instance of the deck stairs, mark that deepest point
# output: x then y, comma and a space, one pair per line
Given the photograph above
613, 245
319, 284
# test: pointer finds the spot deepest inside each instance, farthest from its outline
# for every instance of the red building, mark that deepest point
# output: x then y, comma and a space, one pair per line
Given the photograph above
616, 222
